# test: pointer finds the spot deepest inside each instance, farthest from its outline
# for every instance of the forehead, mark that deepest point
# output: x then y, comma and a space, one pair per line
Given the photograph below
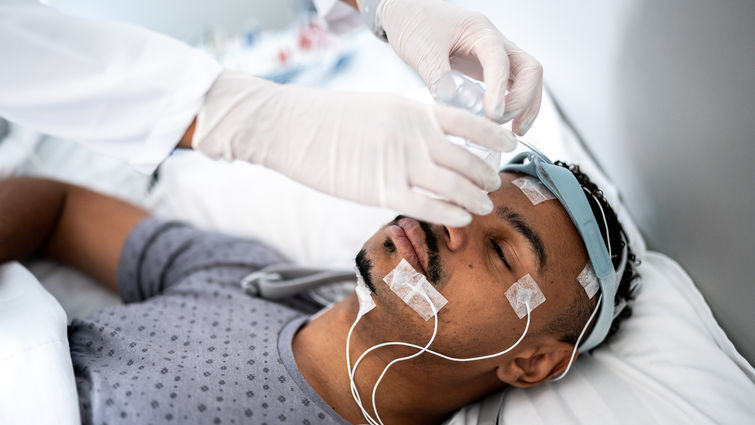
562, 243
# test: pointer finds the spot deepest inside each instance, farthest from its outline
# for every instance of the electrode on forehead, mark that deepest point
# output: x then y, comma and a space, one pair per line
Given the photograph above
523, 291
589, 280
533, 189
409, 285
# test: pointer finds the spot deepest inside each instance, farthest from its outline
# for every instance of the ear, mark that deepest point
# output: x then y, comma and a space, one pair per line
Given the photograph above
536, 365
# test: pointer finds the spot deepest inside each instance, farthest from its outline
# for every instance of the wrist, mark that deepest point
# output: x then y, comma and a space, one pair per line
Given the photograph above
354, 3
188, 135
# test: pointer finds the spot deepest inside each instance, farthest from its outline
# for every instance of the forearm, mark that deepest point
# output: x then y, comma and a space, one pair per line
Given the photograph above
29, 213
66, 223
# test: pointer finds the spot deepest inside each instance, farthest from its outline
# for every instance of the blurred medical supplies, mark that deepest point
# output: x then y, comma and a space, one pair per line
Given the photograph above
304, 52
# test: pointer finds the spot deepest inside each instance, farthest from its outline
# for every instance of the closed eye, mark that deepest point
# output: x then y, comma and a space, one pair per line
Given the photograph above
499, 251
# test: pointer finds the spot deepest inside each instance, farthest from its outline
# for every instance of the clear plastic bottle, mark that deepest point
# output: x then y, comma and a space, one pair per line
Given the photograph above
457, 90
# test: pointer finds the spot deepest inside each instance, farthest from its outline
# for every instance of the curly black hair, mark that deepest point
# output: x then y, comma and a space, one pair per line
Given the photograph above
569, 324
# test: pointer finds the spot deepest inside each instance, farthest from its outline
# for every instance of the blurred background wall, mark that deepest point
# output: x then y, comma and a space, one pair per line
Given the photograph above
189, 20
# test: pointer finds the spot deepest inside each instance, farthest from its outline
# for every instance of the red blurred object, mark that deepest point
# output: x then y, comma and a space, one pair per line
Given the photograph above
283, 56
305, 43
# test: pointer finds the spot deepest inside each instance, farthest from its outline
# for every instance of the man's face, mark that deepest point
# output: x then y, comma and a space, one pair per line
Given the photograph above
473, 267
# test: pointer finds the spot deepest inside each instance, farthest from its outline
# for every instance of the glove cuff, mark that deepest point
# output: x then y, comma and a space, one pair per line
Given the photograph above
368, 9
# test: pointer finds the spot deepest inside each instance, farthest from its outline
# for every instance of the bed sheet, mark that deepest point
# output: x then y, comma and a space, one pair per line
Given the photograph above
36, 376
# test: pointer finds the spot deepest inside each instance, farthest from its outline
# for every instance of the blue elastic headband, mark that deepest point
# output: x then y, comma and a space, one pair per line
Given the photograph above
562, 183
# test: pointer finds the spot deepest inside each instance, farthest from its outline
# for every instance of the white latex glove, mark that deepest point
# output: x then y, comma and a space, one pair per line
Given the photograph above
432, 37
368, 148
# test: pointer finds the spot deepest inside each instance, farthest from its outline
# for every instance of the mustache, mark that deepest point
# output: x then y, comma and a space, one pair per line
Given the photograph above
434, 264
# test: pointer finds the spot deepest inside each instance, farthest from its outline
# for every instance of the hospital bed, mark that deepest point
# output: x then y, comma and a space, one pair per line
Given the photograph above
672, 362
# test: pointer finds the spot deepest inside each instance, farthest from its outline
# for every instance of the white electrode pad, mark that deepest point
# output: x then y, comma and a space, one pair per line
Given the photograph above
366, 303
523, 290
535, 191
409, 285
589, 280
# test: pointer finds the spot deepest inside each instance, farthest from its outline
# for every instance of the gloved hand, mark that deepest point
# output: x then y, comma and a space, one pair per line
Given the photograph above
433, 36
368, 148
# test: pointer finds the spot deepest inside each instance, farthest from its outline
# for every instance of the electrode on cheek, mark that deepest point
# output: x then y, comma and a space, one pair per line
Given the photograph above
410, 286
522, 292
533, 189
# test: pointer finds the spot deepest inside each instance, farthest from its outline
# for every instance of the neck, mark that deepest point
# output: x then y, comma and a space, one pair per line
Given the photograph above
409, 392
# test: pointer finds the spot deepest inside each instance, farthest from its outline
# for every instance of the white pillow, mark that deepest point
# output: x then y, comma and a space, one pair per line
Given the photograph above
36, 376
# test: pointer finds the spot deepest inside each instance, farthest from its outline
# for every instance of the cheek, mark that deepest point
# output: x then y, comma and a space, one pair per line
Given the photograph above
475, 304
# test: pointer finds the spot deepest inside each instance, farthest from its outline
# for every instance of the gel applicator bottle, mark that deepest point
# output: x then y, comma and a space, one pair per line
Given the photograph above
457, 90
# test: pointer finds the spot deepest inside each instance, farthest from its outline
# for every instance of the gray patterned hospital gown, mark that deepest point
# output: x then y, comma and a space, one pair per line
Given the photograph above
189, 347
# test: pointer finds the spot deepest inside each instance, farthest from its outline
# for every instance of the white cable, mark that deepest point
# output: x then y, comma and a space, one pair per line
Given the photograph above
354, 391
352, 383
581, 334
455, 359
605, 222
406, 344
418, 353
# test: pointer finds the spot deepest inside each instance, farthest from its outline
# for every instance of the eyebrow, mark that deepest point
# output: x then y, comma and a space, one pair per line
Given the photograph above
516, 221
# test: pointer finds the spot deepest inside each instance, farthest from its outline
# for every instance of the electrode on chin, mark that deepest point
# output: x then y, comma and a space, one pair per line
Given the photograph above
364, 295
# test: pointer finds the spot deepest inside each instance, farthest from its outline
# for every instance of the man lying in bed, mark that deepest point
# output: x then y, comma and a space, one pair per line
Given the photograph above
190, 347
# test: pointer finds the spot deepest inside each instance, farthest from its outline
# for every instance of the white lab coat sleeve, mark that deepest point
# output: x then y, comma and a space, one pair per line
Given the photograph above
339, 16
120, 89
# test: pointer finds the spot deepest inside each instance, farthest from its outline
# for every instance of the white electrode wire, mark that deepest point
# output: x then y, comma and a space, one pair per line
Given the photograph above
400, 359
455, 359
531, 147
605, 223
352, 371
352, 384
351, 376
581, 334
355, 394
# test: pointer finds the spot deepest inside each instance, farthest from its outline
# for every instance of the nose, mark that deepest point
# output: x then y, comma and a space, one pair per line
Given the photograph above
456, 237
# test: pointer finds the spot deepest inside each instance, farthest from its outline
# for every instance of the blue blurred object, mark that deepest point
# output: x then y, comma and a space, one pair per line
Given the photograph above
343, 61
284, 76
303, 52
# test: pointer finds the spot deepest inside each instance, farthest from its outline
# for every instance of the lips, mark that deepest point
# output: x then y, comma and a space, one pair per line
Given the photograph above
409, 239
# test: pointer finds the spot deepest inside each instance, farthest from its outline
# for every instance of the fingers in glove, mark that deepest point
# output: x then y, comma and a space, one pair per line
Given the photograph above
478, 130
491, 52
523, 122
468, 65
425, 208
526, 88
431, 74
466, 164
452, 186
